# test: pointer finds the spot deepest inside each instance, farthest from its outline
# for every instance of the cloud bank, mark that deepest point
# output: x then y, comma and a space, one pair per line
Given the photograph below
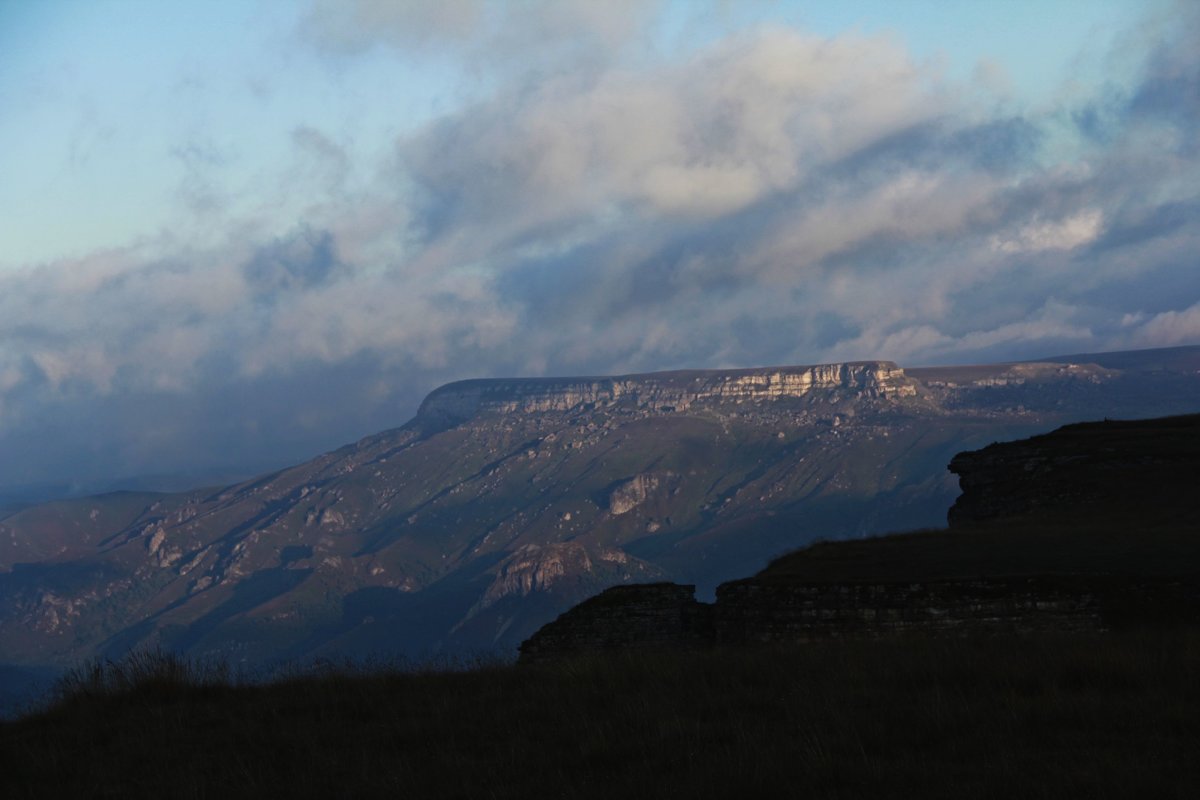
772, 197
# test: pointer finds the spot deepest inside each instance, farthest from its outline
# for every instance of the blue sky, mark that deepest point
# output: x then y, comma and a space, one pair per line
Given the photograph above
215, 212
141, 95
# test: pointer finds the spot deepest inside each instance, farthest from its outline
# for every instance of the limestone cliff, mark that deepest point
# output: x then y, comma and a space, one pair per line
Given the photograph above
662, 391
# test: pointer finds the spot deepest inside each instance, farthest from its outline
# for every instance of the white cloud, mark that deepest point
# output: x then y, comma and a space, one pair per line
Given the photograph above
751, 117
773, 197
1170, 328
1069, 233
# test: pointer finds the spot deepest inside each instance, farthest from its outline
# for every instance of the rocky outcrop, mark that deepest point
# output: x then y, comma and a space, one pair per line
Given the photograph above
765, 612
542, 568
629, 494
1129, 467
663, 391
1121, 489
653, 615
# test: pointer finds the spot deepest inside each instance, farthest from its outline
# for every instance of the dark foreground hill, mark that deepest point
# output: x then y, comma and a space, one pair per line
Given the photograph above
1100, 713
1047, 717
505, 502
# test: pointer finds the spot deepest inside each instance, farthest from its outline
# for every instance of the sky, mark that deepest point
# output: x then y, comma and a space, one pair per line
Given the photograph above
236, 233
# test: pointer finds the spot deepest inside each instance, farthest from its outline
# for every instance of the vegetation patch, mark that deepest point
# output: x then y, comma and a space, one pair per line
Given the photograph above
1046, 716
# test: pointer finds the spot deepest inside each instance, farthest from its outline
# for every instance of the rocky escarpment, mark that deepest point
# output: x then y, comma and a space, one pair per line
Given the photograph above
663, 391
1092, 527
764, 612
541, 568
638, 616
1126, 467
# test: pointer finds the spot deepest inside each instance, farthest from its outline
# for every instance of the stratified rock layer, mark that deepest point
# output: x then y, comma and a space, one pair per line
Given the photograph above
639, 616
662, 391
764, 612
1130, 467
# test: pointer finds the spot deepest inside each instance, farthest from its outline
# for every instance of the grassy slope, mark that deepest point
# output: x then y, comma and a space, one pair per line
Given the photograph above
1113, 717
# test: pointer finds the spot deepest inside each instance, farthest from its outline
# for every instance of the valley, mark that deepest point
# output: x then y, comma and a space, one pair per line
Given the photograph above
505, 502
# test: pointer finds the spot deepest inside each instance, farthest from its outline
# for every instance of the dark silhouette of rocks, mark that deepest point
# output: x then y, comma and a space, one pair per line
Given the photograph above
1127, 467
1120, 494
648, 615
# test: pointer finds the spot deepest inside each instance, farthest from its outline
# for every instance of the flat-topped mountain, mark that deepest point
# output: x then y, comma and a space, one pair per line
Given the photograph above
504, 502
663, 391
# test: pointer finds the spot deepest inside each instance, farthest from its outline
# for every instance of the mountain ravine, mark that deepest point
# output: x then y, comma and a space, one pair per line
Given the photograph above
504, 502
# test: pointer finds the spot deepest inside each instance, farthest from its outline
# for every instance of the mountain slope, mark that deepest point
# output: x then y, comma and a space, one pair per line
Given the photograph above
504, 502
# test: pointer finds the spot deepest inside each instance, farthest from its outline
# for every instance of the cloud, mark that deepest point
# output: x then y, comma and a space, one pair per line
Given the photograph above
771, 197
1170, 328
754, 116
328, 161
1065, 234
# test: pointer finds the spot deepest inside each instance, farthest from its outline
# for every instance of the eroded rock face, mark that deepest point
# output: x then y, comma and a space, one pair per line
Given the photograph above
629, 494
539, 568
661, 392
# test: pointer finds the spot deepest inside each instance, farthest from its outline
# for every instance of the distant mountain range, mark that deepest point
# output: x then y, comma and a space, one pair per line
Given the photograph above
504, 502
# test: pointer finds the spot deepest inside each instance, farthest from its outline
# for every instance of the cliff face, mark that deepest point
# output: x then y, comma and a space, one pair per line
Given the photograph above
1126, 468
1091, 527
623, 617
661, 392
666, 615
758, 612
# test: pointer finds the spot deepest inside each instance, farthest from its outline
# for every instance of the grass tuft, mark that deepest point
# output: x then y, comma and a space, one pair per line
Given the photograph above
153, 671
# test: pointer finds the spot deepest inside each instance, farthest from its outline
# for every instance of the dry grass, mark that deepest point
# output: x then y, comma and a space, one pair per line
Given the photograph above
1117, 716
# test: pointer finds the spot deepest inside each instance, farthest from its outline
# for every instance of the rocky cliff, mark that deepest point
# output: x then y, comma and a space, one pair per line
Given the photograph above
623, 617
768, 612
662, 391
1090, 527
1127, 467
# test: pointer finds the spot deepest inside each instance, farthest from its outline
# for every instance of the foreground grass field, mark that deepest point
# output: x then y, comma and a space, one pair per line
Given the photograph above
1113, 716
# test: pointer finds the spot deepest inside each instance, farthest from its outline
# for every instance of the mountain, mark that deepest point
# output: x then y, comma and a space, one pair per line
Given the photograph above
1090, 529
504, 502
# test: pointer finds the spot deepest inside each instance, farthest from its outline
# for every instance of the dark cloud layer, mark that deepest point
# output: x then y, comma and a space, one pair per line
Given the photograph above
774, 198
